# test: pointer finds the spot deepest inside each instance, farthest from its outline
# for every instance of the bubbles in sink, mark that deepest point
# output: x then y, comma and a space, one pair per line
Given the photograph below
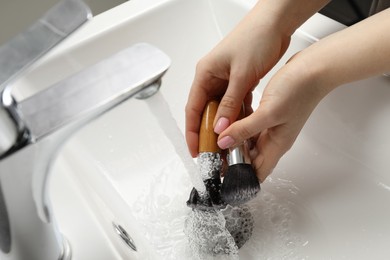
274, 235
208, 237
161, 211
277, 232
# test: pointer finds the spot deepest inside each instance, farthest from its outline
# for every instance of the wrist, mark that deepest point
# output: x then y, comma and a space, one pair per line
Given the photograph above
311, 75
285, 16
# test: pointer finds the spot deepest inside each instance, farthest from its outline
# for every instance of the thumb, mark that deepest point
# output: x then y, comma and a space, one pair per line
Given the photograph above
244, 129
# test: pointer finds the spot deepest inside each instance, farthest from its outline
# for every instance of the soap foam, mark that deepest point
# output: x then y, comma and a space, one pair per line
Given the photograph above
177, 232
239, 223
218, 232
208, 236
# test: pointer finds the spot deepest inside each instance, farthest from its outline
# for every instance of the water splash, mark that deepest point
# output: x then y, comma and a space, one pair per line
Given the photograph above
159, 107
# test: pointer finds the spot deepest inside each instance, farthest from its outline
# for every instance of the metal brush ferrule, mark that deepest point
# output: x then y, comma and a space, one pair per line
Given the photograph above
210, 165
239, 154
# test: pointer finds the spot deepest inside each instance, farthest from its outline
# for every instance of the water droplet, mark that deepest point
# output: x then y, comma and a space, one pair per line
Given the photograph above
290, 244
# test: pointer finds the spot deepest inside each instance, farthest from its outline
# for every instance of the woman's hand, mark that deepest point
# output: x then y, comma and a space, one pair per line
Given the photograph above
286, 103
230, 72
235, 66
232, 69
357, 52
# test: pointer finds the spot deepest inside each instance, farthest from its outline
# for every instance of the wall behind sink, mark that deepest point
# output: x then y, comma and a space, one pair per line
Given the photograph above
17, 15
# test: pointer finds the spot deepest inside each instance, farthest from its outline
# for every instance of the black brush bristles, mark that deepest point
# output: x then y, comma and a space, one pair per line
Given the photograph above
240, 184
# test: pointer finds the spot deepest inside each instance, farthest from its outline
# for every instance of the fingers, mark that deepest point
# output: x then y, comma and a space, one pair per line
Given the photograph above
234, 88
244, 129
193, 113
205, 87
269, 152
248, 110
238, 91
273, 139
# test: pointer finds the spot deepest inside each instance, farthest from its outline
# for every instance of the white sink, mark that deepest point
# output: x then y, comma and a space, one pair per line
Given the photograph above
327, 199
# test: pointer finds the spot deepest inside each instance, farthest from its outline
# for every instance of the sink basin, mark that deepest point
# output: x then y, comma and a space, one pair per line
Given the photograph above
123, 177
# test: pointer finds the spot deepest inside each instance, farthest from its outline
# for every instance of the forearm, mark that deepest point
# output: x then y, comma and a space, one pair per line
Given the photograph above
285, 16
358, 52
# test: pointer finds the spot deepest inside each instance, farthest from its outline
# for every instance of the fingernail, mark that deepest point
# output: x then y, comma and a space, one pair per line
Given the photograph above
225, 142
221, 125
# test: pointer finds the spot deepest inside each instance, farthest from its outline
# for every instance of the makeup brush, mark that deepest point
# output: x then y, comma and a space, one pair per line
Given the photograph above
212, 227
240, 183
209, 161
205, 225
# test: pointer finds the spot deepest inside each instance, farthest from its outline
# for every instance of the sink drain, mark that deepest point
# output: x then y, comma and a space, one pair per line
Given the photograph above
124, 236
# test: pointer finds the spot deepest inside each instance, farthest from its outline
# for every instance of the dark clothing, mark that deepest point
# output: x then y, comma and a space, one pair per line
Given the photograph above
379, 5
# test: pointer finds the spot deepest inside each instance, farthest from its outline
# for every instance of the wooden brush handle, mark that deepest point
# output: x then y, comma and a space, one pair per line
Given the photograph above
207, 136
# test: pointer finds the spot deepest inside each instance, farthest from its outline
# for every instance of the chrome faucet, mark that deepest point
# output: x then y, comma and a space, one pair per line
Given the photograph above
32, 130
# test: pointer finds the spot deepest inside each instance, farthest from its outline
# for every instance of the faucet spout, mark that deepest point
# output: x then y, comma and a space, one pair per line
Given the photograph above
93, 90
40, 124
19, 53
